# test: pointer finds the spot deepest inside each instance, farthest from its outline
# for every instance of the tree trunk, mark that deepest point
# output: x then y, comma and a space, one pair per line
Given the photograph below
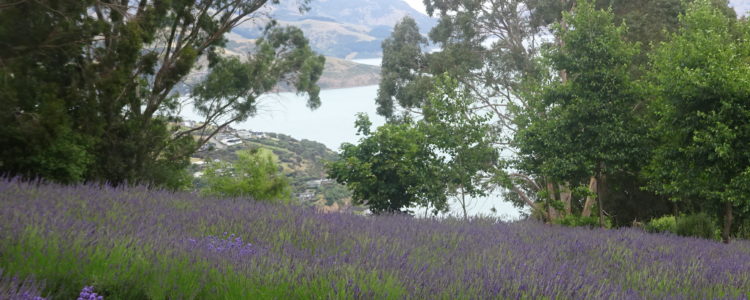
565, 197
589, 199
463, 203
534, 206
552, 212
727, 222
599, 203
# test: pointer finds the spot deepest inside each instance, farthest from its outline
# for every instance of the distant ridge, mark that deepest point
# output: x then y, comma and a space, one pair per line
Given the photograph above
343, 28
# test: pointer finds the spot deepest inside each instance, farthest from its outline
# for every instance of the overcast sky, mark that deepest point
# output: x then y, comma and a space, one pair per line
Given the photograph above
417, 4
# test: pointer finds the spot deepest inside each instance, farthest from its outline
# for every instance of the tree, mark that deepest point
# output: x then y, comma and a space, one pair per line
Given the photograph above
255, 174
113, 71
463, 139
402, 68
391, 169
585, 126
38, 137
492, 48
701, 110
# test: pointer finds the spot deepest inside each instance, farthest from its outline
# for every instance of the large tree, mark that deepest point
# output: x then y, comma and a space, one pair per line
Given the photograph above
492, 48
700, 83
583, 127
110, 73
465, 140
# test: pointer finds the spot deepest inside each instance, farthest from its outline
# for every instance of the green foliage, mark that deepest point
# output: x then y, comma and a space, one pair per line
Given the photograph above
92, 95
583, 126
662, 224
254, 174
701, 110
579, 221
402, 55
392, 168
463, 138
743, 229
697, 225
449, 152
335, 193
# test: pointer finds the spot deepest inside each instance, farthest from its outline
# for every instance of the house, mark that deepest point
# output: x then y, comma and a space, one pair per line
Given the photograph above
231, 141
314, 183
244, 134
308, 195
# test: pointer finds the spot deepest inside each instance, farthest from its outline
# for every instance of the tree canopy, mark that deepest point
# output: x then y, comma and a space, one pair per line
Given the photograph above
391, 169
701, 112
92, 89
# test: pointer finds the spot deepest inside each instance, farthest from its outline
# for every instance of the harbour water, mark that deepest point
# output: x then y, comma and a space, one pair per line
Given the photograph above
333, 124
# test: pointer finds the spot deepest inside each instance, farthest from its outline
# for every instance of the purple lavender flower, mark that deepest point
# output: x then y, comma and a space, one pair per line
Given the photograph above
13, 288
227, 244
87, 293
295, 250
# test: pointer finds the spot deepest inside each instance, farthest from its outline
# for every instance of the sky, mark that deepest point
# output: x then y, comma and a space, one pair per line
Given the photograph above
742, 6
416, 4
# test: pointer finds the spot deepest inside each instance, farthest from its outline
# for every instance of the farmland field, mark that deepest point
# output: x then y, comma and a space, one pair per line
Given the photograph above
134, 243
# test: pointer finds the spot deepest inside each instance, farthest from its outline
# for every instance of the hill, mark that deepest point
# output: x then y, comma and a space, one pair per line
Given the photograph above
303, 163
343, 28
337, 73
134, 243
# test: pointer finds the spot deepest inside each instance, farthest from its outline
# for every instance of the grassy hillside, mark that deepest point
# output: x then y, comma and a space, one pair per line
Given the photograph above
132, 243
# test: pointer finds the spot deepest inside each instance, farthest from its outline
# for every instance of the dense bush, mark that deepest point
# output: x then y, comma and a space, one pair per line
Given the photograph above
743, 229
663, 224
697, 225
579, 221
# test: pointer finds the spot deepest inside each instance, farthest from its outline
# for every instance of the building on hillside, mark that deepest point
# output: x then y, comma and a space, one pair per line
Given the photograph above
231, 141
244, 134
308, 195
197, 161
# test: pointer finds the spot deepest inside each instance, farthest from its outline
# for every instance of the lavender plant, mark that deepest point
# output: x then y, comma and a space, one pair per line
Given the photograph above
87, 293
133, 243
13, 288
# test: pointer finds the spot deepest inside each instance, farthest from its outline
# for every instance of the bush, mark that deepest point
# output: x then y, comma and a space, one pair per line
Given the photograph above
697, 225
743, 230
666, 223
577, 221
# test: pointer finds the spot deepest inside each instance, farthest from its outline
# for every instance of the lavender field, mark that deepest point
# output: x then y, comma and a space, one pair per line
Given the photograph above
139, 244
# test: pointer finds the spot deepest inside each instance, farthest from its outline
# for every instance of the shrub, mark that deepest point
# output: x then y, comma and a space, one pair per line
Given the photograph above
578, 221
743, 230
666, 223
697, 225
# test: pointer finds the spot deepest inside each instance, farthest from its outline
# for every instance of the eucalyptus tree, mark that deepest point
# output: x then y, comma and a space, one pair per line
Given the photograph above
463, 139
123, 64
